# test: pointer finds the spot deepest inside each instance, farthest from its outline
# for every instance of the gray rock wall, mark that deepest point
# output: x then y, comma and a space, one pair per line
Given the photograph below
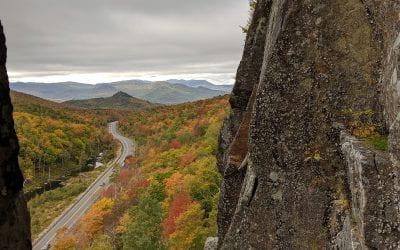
234, 133
306, 186
14, 216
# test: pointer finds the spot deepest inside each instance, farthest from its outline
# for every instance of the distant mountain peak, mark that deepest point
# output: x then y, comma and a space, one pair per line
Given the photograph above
121, 94
120, 100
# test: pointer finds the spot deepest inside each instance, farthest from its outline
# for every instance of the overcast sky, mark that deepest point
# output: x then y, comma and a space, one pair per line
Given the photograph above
106, 40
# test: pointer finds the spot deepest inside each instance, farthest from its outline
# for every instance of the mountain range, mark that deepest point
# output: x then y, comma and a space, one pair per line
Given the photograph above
202, 83
164, 92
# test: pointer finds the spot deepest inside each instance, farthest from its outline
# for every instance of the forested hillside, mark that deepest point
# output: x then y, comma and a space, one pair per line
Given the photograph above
120, 101
166, 197
55, 141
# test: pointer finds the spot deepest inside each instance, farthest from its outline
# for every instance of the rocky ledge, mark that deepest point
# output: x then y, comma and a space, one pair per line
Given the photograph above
372, 220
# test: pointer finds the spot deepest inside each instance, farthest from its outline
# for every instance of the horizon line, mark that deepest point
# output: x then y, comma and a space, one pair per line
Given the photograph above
110, 82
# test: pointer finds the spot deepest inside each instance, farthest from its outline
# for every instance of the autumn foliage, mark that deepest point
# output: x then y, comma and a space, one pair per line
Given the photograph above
87, 229
179, 205
175, 144
109, 192
165, 197
187, 158
56, 141
64, 240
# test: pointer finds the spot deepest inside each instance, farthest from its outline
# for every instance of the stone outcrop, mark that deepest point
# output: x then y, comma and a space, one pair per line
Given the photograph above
294, 177
373, 219
211, 243
14, 216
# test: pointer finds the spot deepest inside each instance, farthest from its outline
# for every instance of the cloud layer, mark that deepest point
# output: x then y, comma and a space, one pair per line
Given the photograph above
121, 38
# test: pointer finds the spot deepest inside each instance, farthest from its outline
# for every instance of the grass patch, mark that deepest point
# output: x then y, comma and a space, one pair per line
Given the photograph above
46, 207
379, 142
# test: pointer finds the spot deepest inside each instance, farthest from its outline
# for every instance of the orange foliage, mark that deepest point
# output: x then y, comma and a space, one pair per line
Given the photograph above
174, 183
187, 158
131, 161
92, 223
180, 203
64, 240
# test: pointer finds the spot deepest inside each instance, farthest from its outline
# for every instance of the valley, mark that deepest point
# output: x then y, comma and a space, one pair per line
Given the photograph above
166, 195
173, 168
303, 152
60, 147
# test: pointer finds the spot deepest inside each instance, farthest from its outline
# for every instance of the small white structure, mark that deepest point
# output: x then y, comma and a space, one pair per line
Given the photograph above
98, 164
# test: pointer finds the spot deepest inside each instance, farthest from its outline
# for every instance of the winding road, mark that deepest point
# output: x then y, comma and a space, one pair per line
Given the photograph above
72, 214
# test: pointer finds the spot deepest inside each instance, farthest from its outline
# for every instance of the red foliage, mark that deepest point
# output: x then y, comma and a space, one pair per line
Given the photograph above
124, 176
142, 184
175, 144
109, 192
179, 205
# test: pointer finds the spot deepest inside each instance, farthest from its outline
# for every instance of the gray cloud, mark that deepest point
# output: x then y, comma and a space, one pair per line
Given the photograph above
49, 37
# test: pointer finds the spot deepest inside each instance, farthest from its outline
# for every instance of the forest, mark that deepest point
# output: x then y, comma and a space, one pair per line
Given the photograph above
57, 142
165, 197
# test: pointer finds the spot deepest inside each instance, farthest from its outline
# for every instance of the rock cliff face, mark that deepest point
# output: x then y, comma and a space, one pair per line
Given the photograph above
318, 78
14, 216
